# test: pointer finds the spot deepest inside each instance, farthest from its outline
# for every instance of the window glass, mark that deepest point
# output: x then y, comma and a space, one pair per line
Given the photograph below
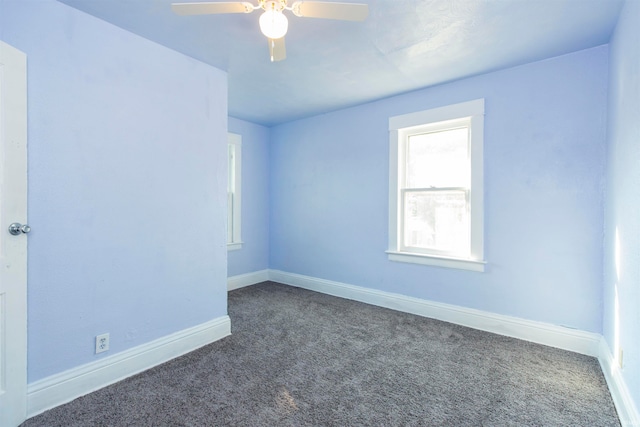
438, 159
436, 220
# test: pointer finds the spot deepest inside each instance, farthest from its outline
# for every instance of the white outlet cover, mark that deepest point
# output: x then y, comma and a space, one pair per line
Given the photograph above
102, 343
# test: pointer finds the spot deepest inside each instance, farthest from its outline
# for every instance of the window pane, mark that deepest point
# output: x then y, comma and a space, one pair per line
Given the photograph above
438, 159
230, 190
231, 179
436, 220
229, 217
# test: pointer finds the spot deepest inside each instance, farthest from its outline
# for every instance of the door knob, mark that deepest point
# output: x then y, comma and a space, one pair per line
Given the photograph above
16, 228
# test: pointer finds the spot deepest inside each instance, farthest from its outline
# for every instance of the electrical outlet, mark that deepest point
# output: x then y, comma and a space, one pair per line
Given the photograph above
620, 354
102, 343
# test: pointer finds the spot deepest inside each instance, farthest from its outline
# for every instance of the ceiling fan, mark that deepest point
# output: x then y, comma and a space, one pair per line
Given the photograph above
273, 22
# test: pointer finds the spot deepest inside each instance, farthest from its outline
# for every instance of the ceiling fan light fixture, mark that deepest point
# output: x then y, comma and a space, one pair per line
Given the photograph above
273, 24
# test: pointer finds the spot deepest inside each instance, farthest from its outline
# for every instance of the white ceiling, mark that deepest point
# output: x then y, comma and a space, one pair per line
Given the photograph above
402, 46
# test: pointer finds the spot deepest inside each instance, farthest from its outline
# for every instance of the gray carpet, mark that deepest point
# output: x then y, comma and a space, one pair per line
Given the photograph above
299, 358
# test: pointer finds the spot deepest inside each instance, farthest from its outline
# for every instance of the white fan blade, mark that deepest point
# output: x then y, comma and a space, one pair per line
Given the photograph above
320, 9
277, 50
208, 8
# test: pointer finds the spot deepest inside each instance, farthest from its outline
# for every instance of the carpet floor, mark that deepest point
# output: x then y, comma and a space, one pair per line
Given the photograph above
300, 358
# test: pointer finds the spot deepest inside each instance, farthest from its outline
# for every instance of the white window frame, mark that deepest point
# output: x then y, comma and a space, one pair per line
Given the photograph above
234, 194
400, 128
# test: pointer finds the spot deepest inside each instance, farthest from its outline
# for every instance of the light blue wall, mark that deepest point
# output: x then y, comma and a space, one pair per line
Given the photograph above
622, 213
545, 131
254, 255
127, 156
127, 186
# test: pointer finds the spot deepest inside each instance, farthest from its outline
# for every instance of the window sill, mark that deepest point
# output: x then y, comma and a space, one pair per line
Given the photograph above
234, 246
456, 263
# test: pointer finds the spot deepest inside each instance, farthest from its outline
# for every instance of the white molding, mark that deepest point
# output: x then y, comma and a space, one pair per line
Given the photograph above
477, 184
457, 263
236, 246
627, 411
471, 115
236, 204
61, 388
439, 114
542, 333
248, 279
395, 149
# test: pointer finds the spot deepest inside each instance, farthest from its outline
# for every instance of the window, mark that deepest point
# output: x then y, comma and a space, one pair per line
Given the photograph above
436, 189
234, 194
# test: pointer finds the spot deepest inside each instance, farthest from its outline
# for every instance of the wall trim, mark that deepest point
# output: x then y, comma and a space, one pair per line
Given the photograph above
588, 343
66, 386
542, 333
627, 411
248, 279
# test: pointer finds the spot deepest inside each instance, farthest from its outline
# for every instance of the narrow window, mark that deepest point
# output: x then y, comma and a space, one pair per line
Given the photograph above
234, 193
436, 192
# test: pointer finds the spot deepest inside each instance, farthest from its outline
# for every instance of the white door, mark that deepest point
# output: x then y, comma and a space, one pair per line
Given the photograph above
13, 248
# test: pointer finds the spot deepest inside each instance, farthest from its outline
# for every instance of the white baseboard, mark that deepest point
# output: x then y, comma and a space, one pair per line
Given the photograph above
627, 411
578, 341
542, 333
582, 342
66, 386
242, 280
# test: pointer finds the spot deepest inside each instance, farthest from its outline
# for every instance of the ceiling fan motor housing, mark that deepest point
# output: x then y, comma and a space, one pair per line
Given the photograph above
276, 5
